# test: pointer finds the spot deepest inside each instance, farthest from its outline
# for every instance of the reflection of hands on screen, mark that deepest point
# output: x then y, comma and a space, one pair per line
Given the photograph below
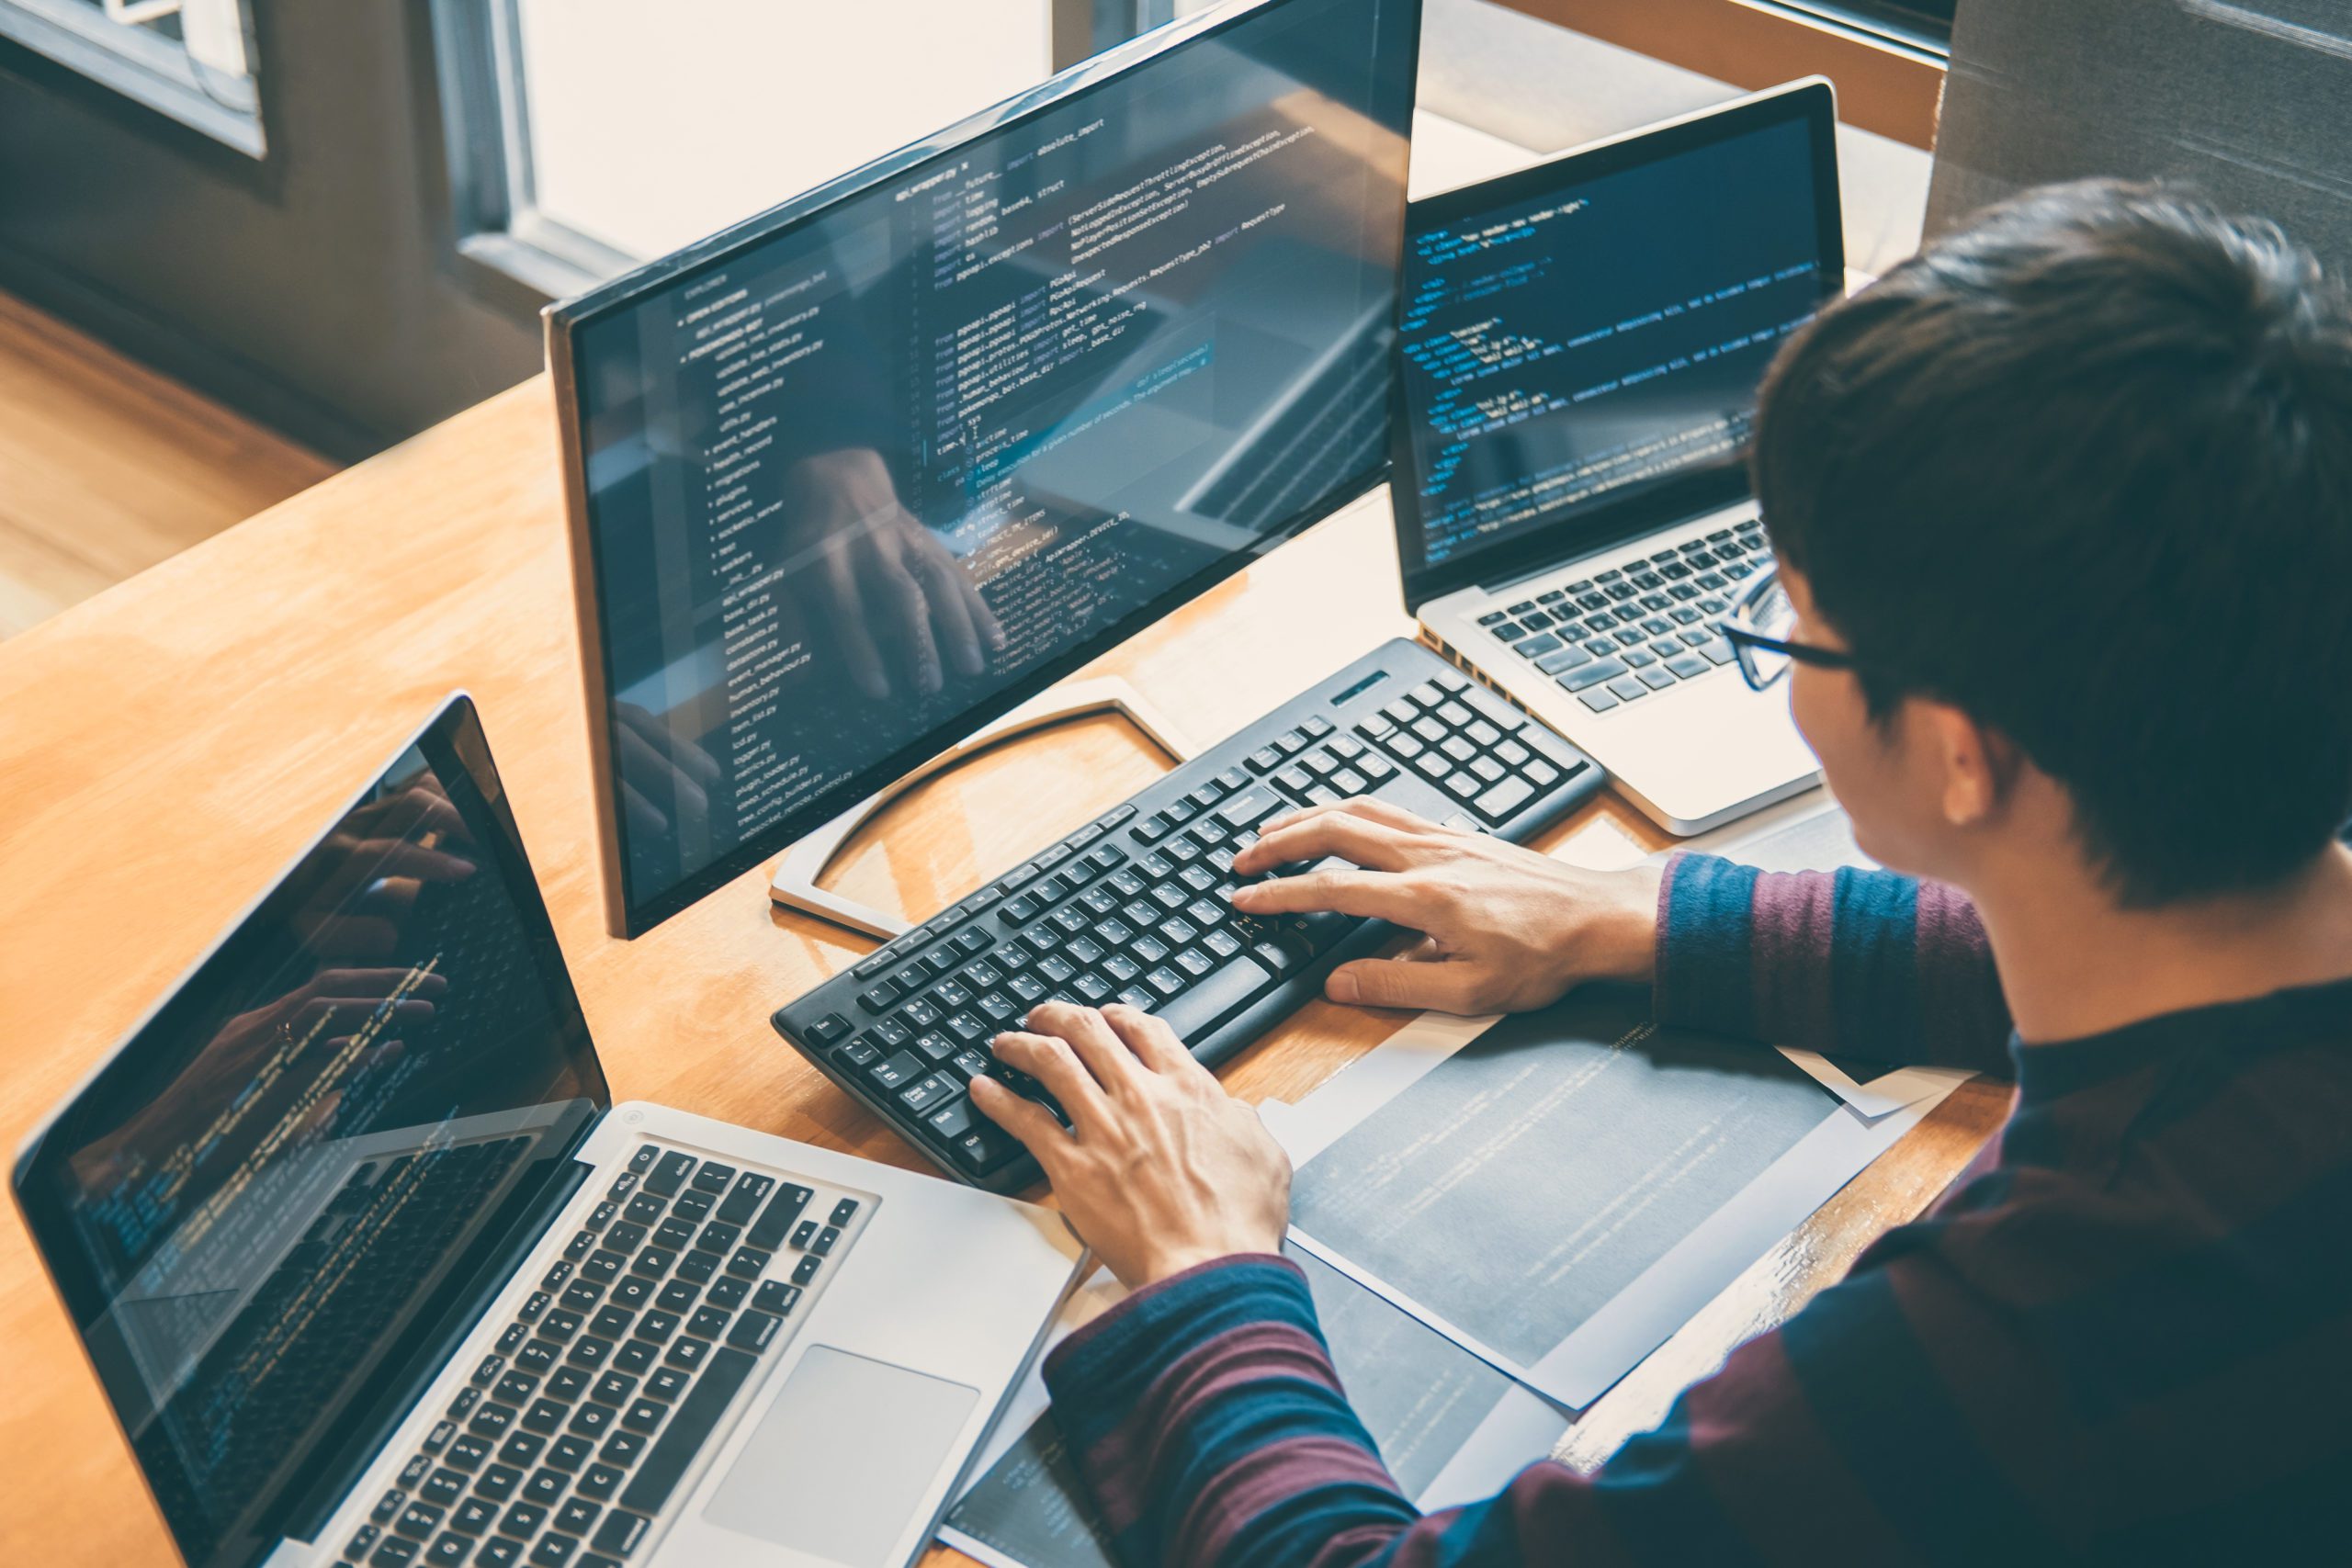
896, 603
660, 768
358, 887
334, 1003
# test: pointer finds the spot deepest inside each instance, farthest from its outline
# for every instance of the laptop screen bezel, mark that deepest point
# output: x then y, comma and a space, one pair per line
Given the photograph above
452, 740
1812, 101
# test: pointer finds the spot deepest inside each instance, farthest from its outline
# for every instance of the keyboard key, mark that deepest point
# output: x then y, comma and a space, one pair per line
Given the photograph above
419, 1520
747, 1262
806, 1270
1627, 688
698, 1415
522, 1520
553, 1551
900, 1068
775, 1296
983, 1149
1503, 799
928, 1093
1657, 678
620, 1532
499, 1552
752, 1331
1593, 674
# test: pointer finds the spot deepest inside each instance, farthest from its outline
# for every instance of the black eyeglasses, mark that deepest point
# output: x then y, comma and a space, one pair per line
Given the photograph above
1758, 629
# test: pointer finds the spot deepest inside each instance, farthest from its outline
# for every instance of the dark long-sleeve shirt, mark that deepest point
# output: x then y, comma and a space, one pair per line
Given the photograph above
2122, 1337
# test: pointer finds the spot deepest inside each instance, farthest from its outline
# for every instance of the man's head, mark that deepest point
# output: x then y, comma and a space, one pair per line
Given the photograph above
2073, 487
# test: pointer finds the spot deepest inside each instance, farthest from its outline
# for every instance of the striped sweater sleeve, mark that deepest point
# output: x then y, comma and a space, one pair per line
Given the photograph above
1853, 963
1205, 1416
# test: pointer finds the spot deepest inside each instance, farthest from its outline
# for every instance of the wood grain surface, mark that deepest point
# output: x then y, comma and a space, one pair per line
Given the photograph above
107, 467
167, 746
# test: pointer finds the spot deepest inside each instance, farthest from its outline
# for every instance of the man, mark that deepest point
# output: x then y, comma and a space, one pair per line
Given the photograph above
2064, 508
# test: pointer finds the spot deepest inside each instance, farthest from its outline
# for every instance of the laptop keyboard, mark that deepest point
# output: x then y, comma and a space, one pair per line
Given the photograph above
592, 1404
1135, 906
1642, 627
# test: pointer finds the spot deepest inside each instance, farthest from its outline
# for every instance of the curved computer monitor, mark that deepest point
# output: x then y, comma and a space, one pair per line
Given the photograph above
855, 476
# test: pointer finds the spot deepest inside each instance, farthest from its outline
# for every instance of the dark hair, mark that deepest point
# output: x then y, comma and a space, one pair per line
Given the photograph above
2084, 470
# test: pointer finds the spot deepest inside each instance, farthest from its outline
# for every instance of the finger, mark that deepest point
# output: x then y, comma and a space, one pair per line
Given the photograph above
1370, 894
1090, 1036
1030, 1124
651, 767
667, 740
1154, 1044
1049, 1060
907, 611
401, 816
1370, 808
353, 936
398, 858
984, 619
642, 816
1446, 984
345, 982
944, 584
1372, 845
846, 612
311, 1014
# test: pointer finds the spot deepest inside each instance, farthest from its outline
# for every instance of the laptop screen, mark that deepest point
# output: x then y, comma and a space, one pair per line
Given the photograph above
1586, 336
263, 1209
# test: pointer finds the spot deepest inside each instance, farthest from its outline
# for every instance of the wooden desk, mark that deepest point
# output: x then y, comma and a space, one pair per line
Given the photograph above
166, 747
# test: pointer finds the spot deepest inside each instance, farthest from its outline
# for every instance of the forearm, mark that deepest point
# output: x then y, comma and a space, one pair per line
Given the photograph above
1206, 1416
1854, 963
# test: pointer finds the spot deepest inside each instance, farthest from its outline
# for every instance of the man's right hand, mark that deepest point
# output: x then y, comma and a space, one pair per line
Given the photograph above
1505, 929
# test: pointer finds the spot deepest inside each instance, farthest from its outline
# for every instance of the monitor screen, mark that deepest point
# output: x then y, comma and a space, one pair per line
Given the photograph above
861, 475
262, 1209
1585, 342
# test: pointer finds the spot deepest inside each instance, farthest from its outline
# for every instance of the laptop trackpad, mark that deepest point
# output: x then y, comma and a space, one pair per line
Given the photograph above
842, 1458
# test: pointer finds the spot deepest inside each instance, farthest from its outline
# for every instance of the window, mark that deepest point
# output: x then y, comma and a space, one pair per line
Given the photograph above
1887, 57
590, 134
192, 60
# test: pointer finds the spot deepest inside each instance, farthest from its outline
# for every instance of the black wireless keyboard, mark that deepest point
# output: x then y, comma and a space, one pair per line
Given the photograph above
1134, 906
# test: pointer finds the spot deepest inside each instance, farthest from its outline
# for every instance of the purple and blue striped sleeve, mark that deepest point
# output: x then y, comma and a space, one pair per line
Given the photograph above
1206, 1417
1851, 963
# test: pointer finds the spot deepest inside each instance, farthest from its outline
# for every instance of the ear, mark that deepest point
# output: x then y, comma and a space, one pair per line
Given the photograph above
1977, 765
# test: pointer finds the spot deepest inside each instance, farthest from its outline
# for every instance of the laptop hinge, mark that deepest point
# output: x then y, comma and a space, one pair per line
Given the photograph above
1603, 544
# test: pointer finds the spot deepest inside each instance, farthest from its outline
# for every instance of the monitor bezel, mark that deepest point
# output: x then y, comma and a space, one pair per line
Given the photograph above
566, 318
455, 732
1811, 99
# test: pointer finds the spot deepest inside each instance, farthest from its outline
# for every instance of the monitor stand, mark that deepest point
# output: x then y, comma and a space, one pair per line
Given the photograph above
794, 885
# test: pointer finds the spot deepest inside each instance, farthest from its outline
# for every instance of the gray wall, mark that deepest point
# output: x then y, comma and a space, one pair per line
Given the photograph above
2251, 101
317, 291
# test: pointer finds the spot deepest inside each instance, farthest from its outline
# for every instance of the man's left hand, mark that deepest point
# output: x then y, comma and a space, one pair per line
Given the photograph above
1159, 1168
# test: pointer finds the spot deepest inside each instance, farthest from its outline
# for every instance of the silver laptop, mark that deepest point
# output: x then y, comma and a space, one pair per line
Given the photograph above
373, 1271
1580, 344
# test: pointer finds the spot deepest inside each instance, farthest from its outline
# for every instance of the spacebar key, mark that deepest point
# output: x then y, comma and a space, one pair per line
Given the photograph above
1219, 993
704, 1404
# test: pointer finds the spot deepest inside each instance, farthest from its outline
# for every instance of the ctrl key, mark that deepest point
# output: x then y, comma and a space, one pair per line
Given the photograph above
983, 1149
